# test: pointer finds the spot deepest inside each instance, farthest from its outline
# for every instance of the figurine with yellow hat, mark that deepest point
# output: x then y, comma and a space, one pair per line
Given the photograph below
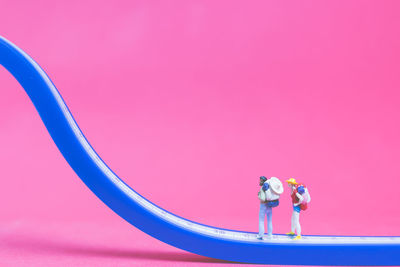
300, 197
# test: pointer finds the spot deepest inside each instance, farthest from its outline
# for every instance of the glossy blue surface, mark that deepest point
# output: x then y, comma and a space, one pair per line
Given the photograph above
169, 228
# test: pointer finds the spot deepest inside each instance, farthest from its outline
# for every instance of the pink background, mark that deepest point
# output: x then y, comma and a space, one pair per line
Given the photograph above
189, 102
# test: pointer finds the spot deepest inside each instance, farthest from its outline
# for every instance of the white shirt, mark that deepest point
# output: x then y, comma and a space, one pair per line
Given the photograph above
269, 194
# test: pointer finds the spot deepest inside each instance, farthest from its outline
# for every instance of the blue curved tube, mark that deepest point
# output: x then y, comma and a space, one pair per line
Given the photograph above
184, 234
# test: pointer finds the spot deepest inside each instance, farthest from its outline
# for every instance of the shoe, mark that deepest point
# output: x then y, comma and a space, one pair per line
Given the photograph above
297, 237
290, 233
259, 237
269, 237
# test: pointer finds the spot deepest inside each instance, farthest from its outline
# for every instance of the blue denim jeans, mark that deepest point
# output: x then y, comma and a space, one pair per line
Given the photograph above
264, 211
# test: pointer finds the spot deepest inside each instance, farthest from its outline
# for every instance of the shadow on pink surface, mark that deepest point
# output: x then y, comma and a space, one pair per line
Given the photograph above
37, 245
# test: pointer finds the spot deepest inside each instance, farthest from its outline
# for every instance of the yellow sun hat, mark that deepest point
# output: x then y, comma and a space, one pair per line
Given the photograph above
291, 181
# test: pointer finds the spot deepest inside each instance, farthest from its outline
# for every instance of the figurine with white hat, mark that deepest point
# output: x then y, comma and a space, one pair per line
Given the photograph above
300, 197
269, 194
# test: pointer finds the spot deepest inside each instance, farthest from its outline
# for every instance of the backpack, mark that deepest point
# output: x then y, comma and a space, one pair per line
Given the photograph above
303, 206
301, 189
273, 203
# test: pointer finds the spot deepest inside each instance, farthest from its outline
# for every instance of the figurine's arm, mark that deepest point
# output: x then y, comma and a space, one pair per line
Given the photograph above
265, 186
300, 197
261, 196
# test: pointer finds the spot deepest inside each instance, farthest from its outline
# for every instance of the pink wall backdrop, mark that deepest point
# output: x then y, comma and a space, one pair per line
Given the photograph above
189, 102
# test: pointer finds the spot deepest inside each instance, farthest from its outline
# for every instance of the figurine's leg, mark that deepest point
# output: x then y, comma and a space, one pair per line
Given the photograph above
293, 225
269, 221
261, 218
297, 222
298, 226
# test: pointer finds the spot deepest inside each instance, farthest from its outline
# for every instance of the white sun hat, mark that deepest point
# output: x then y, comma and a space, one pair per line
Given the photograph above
276, 185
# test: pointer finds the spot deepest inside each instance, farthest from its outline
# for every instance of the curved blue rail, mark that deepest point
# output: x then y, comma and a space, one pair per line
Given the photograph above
165, 226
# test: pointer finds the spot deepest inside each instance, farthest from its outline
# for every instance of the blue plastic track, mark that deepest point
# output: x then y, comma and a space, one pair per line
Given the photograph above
184, 234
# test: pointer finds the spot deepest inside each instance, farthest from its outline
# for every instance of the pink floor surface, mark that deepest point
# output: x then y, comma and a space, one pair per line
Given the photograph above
89, 243
189, 102
82, 243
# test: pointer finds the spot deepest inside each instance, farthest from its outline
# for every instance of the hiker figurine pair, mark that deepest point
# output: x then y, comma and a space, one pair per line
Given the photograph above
269, 194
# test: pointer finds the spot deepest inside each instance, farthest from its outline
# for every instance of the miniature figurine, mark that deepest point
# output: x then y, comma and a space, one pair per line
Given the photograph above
269, 194
300, 198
